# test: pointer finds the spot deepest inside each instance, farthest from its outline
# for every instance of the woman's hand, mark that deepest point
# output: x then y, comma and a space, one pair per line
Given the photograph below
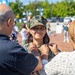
32, 46
44, 51
53, 48
34, 50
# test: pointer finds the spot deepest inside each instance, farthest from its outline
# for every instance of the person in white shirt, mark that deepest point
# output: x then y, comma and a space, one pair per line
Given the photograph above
64, 62
23, 32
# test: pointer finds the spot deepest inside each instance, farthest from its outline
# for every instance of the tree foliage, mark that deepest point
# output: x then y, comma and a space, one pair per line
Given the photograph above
17, 8
58, 9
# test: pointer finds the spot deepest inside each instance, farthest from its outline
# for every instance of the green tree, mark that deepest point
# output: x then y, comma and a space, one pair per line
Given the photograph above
58, 9
47, 9
17, 8
64, 8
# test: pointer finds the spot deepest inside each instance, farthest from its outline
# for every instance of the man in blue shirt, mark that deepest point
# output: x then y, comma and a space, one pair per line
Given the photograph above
14, 60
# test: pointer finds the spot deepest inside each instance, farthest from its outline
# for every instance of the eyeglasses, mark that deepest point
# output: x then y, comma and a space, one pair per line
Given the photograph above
38, 28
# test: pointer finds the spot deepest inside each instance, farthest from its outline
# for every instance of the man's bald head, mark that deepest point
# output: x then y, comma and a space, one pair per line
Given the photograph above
5, 13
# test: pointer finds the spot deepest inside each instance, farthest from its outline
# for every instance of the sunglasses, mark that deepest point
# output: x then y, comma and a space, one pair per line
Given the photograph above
38, 28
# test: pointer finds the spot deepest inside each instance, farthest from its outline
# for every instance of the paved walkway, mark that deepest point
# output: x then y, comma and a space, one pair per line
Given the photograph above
58, 39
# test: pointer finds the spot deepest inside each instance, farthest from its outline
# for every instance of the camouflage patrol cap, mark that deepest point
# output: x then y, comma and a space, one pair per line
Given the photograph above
35, 21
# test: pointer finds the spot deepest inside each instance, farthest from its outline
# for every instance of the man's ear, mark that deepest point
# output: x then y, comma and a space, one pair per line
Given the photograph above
9, 22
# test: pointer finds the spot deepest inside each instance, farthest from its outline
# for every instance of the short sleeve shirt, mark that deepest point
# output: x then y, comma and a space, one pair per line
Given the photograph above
62, 64
24, 34
14, 60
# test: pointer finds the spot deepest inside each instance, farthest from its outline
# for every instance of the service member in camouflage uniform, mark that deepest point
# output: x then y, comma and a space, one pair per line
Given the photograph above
39, 37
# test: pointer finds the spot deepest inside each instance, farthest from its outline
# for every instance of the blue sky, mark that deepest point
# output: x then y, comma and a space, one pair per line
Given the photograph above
27, 1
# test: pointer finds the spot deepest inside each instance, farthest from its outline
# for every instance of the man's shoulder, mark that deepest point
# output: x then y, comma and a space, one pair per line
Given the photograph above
13, 44
17, 47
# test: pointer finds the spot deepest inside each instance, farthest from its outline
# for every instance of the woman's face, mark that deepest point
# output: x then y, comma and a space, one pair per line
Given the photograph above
38, 32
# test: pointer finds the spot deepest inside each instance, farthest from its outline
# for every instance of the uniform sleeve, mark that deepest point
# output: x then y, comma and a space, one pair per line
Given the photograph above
56, 65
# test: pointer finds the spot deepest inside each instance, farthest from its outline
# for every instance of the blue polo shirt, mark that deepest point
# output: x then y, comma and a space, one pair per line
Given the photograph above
14, 60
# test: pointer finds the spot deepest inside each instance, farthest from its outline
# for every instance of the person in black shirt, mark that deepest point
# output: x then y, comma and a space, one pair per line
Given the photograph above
14, 59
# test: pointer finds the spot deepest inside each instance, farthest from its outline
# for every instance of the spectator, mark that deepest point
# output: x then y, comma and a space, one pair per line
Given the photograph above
66, 36
14, 32
64, 62
14, 59
48, 28
23, 32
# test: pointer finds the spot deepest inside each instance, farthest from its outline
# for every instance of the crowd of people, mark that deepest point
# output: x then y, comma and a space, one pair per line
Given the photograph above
36, 55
